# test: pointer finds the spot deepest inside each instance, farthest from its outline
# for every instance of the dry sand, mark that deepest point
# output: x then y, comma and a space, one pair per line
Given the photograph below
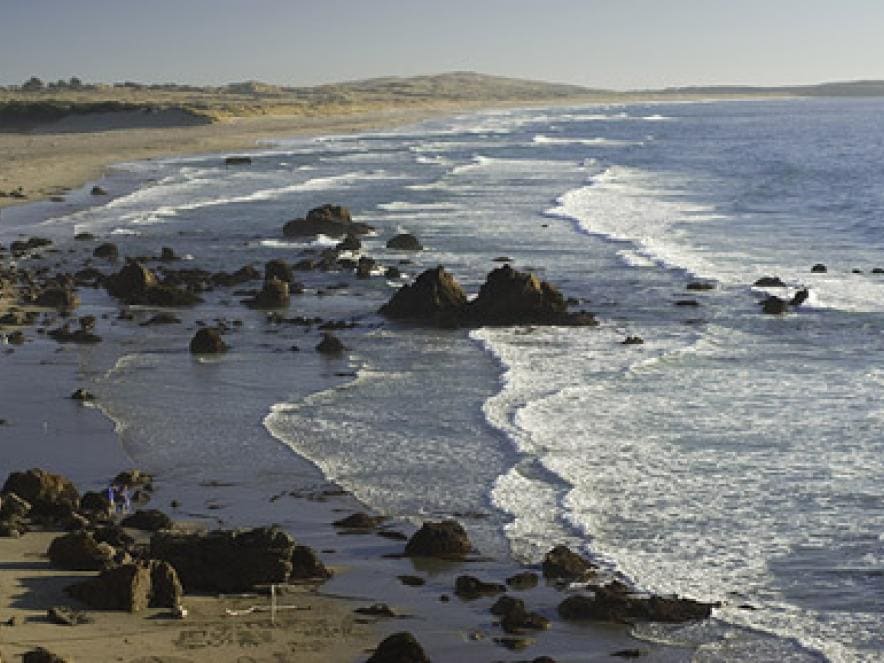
48, 162
317, 630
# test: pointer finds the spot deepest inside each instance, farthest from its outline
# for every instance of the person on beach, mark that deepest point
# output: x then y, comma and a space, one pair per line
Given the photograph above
126, 505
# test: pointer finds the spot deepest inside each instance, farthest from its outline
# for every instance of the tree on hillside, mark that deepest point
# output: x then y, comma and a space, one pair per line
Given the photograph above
33, 83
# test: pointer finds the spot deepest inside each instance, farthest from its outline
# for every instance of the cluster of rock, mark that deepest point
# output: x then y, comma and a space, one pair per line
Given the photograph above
135, 576
773, 305
595, 601
329, 220
507, 297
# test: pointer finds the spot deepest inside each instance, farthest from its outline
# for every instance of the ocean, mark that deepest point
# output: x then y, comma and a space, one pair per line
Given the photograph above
733, 456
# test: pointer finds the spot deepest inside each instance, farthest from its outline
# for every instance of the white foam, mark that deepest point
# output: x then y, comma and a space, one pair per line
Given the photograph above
403, 206
542, 139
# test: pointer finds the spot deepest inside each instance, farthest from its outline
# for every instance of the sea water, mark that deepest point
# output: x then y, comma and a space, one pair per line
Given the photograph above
733, 456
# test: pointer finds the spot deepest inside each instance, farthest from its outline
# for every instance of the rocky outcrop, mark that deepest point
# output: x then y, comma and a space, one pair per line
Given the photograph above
126, 587
614, 603
207, 341
819, 268
523, 581
434, 297
41, 655
561, 563
278, 269
329, 220
21, 247
404, 242
274, 294
508, 297
79, 551
359, 521
242, 275
165, 586
58, 297
136, 284
399, 648
774, 305
226, 560
50, 495
349, 243
444, 539
515, 618
306, 565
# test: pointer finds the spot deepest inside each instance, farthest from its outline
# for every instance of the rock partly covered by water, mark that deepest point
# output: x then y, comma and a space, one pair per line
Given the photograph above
614, 603
329, 220
561, 563
507, 297
274, 294
235, 561
207, 341
404, 242
444, 539
136, 284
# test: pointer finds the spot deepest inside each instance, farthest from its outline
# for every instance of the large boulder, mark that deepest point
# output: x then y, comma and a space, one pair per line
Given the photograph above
58, 297
207, 341
306, 565
48, 494
404, 242
136, 284
509, 297
329, 220
614, 603
107, 250
561, 563
79, 551
126, 587
41, 655
330, 345
226, 560
165, 586
470, 587
434, 296
274, 294
444, 539
399, 648
278, 269
774, 305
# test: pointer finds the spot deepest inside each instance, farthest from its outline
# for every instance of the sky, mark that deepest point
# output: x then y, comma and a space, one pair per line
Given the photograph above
615, 44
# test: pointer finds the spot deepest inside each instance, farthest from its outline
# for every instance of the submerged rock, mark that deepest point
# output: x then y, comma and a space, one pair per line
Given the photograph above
107, 250
470, 587
769, 282
819, 268
274, 294
330, 345
404, 242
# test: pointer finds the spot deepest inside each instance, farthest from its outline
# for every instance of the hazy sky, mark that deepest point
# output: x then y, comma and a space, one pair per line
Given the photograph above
599, 43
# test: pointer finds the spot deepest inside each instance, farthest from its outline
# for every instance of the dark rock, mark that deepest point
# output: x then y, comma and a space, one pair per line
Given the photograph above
79, 551
818, 268
799, 297
238, 161
627, 653
769, 282
878, 270
561, 563
167, 295
514, 644
113, 535
98, 191
614, 603
226, 560
83, 395
84, 237
134, 478
59, 298
523, 581
392, 273
126, 587
700, 285
330, 220
404, 242
96, 503
48, 494
207, 341
434, 296
306, 565
518, 621
774, 305
687, 302
443, 539
364, 267
65, 616
136, 284
64, 334
149, 520
274, 294
20, 247
359, 521
349, 243
376, 610
399, 648
412, 581
506, 604
41, 655
330, 345
278, 269
108, 250
633, 340
242, 275
469, 587
512, 297
167, 254
165, 587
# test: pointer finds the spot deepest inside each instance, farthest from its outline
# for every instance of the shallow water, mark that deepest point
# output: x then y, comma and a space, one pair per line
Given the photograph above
732, 456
